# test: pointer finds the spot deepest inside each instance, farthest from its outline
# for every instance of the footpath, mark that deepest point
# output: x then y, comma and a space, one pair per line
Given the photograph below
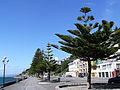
33, 83
28, 84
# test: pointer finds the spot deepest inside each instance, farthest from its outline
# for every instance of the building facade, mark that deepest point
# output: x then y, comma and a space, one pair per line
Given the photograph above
108, 69
94, 67
77, 68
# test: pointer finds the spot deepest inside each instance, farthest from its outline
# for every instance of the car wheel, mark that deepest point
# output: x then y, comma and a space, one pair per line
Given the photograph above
112, 82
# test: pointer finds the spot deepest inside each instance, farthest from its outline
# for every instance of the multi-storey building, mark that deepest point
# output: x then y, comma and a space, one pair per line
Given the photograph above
110, 67
77, 68
94, 67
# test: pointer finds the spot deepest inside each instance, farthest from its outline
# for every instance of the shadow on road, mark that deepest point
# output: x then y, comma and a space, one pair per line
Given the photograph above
54, 81
105, 86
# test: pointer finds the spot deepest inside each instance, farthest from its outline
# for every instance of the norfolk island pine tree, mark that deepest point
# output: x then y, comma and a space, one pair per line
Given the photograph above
89, 45
38, 63
50, 62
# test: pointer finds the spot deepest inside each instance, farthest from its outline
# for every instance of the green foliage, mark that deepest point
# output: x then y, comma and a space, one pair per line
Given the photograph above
73, 57
43, 62
38, 63
93, 45
48, 55
85, 10
50, 62
87, 44
26, 71
85, 18
64, 64
60, 69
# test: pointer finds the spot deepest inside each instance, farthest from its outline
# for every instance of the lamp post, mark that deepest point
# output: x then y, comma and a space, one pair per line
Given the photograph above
4, 63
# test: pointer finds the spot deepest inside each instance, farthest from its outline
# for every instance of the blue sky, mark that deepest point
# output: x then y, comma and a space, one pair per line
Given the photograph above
26, 25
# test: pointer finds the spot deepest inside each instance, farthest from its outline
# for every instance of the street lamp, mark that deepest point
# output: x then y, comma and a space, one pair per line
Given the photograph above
4, 63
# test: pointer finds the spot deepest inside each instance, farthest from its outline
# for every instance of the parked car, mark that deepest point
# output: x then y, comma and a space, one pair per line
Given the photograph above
81, 75
45, 75
68, 75
114, 80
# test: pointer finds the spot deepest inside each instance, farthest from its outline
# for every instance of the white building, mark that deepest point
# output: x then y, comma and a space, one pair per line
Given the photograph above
77, 68
111, 67
108, 69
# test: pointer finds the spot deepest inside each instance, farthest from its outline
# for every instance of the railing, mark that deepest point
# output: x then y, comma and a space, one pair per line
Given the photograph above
0, 85
12, 82
7, 84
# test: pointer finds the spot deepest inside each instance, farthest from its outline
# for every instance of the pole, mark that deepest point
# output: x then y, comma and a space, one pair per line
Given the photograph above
4, 76
89, 74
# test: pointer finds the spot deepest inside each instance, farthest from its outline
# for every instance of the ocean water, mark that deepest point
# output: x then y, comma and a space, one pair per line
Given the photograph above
7, 79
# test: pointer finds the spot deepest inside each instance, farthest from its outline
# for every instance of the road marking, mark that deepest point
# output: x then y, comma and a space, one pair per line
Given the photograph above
26, 88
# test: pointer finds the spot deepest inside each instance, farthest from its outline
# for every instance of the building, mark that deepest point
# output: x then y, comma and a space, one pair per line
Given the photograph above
94, 67
108, 69
77, 68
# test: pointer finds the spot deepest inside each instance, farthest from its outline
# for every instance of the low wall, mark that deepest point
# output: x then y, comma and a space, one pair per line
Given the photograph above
9, 83
12, 82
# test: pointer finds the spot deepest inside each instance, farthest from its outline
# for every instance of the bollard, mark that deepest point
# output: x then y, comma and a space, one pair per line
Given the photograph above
58, 79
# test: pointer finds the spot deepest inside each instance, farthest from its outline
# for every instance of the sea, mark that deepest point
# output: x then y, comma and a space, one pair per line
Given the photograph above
7, 79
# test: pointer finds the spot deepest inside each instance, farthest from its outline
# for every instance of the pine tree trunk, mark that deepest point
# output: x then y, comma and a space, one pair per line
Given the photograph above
42, 75
89, 74
85, 19
49, 75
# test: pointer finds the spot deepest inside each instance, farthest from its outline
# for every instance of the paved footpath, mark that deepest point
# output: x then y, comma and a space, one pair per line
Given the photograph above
28, 84
33, 83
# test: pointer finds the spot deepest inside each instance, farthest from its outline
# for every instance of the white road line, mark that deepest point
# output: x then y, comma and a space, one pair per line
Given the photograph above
26, 88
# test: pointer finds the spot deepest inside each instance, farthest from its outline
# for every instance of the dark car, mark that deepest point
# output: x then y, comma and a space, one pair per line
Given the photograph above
114, 80
81, 75
68, 75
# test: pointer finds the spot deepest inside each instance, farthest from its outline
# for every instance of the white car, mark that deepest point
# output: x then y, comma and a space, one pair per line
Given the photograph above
45, 75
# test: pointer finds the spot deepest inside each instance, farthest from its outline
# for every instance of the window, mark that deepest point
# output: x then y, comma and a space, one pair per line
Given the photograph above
118, 65
99, 74
110, 74
98, 67
113, 74
83, 65
109, 66
119, 75
104, 67
103, 75
106, 74
93, 74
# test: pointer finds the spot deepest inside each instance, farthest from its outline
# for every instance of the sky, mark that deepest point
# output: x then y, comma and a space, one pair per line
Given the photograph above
26, 25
